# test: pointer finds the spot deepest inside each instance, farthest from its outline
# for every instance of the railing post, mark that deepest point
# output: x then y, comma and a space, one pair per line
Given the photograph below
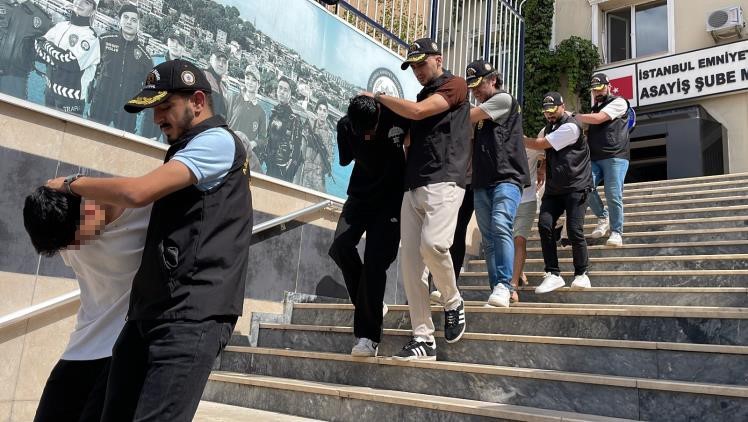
487, 35
434, 9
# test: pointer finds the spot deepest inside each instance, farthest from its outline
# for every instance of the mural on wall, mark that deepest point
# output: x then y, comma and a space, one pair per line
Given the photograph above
281, 76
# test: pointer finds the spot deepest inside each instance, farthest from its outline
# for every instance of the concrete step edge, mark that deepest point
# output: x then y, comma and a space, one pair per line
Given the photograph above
648, 290
575, 341
533, 373
629, 188
575, 309
614, 273
439, 403
716, 257
660, 245
740, 189
685, 180
677, 211
678, 232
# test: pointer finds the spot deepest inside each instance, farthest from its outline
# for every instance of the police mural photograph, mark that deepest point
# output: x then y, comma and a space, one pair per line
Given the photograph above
87, 57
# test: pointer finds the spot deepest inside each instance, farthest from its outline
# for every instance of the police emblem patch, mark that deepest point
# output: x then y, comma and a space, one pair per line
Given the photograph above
434, 46
255, 126
152, 77
188, 77
488, 67
37, 22
3, 11
138, 54
85, 45
470, 71
72, 40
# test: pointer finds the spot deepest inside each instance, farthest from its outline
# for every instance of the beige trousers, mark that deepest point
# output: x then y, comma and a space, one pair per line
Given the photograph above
428, 218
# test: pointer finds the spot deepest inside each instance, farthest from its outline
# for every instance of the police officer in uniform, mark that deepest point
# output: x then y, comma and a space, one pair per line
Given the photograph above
244, 112
317, 151
21, 22
567, 185
123, 62
71, 51
500, 173
189, 290
282, 155
219, 66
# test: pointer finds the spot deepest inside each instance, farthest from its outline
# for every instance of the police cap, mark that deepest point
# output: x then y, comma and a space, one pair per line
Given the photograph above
171, 76
477, 70
419, 51
551, 101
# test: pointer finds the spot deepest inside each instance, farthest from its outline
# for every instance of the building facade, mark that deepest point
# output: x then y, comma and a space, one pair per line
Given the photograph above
687, 81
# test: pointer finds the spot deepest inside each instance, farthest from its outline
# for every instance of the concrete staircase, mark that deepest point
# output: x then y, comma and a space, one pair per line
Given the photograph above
662, 335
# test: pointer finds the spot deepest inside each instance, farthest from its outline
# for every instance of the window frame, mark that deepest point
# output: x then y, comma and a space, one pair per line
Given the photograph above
603, 43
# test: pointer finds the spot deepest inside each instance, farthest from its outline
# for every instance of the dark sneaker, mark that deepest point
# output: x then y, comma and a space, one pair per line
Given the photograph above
454, 323
417, 350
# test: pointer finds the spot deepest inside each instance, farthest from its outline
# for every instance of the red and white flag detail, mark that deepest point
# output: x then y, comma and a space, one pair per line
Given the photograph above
622, 87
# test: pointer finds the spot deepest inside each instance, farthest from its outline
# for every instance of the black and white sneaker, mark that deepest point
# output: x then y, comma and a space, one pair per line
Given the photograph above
417, 350
454, 323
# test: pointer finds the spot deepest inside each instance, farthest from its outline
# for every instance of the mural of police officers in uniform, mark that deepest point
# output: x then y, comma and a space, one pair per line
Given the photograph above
21, 22
123, 62
71, 51
244, 113
282, 155
219, 65
317, 150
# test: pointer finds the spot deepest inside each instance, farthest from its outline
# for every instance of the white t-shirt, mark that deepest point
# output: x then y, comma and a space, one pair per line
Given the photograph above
533, 156
105, 268
616, 108
566, 134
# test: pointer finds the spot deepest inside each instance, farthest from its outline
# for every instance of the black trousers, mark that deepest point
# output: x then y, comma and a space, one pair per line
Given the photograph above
160, 368
551, 208
457, 251
74, 391
367, 279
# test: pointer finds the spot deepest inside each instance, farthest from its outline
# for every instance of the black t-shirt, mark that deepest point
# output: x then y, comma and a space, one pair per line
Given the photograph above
380, 162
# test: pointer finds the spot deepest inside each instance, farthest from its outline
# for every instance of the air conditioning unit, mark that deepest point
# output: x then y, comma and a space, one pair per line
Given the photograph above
726, 23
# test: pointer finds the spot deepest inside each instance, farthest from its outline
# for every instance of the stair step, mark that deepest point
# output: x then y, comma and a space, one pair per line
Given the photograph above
696, 203
668, 296
689, 181
713, 247
634, 197
734, 221
337, 402
639, 263
696, 185
703, 325
703, 211
660, 360
209, 411
665, 236
603, 395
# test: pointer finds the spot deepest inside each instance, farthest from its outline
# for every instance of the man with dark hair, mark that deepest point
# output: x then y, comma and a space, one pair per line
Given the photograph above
21, 22
373, 136
71, 51
123, 62
610, 151
435, 179
568, 182
219, 66
103, 245
500, 174
245, 114
317, 150
189, 290
282, 154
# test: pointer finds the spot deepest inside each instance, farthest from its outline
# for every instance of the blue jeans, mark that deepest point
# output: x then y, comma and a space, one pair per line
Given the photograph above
495, 209
612, 171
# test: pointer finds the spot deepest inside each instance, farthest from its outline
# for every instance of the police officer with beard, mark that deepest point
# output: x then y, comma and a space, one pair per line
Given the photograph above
123, 62
285, 135
71, 51
21, 21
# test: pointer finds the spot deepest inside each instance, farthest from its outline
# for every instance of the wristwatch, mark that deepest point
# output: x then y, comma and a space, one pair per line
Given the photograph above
69, 180
378, 95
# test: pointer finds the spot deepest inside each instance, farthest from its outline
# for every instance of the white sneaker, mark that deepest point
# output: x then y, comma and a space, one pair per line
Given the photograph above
581, 282
601, 229
550, 283
436, 298
365, 348
385, 309
500, 296
614, 239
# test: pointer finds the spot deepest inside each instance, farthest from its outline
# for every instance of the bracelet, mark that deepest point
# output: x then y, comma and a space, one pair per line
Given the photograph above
378, 95
68, 181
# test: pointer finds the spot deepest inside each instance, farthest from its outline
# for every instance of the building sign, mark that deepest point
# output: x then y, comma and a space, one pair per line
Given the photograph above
710, 71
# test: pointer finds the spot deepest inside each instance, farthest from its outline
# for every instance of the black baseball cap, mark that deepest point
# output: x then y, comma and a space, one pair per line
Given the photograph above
419, 50
477, 70
220, 51
127, 7
170, 76
551, 101
598, 81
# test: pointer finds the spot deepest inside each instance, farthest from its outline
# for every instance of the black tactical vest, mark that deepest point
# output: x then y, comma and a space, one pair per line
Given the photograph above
195, 258
609, 139
568, 170
499, 151
439, 149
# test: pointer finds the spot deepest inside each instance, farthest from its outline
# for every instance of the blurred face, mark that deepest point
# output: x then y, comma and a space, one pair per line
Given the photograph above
322, 112
485, 89
283, 92
83, 7
175, 48
251, 83
552, 117
220, 64
174, 116
427, 70
129, 23
92, 222
600, 95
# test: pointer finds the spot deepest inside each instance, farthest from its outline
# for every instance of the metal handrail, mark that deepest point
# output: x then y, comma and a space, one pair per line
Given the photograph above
62, 300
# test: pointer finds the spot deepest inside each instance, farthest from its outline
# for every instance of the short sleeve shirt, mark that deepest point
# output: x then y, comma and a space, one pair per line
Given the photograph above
565, 135
209, 157
498, 106
454, 91
616, 108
